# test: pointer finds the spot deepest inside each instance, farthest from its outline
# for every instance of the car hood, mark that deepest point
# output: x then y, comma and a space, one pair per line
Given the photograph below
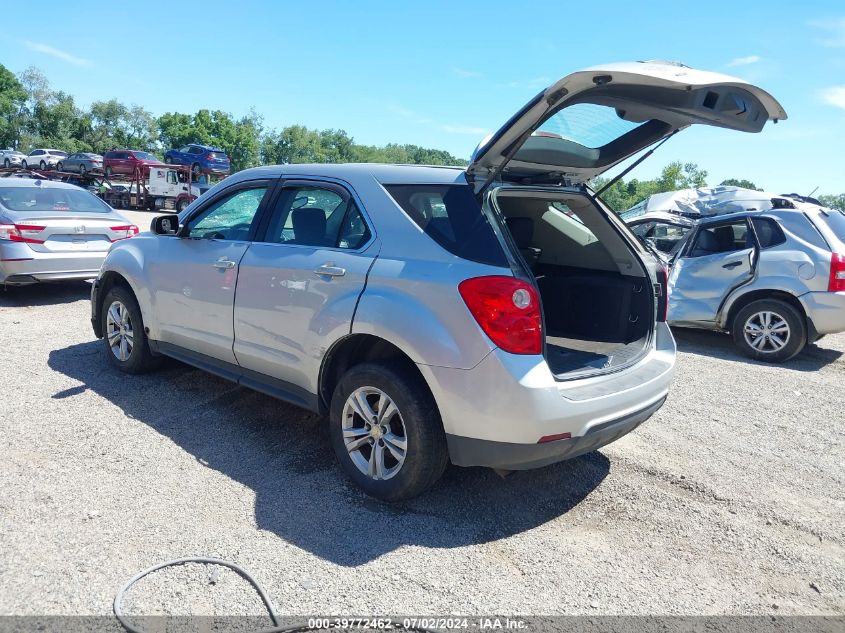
589, 121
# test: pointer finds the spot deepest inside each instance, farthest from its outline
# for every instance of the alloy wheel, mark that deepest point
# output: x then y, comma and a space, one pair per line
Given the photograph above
119, 331
766, 331
374, 433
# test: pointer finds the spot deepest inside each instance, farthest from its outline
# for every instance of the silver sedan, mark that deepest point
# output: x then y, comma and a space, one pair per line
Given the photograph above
52, 231
81, 162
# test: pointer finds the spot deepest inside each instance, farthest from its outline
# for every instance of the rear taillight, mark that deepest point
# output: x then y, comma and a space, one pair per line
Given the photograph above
837, 273
21, 233
129, 230
508, 310
662, 291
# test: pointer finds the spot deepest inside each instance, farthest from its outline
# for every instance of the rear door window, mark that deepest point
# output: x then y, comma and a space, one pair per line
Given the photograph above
768, 232
452, 217
721, 238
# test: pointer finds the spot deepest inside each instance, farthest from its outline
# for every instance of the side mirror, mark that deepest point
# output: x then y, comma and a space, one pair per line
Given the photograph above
165, 225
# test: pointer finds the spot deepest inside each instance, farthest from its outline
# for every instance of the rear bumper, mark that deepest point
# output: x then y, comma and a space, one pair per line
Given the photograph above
513, 401
825, 310
20, 265
467, 451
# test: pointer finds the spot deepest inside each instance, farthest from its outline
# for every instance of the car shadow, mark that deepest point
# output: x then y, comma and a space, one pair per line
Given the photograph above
721, 345
46, 294
283, 454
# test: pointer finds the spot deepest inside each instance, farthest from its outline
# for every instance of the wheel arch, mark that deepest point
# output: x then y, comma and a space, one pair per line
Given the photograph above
105, 283
755, 295
353, 350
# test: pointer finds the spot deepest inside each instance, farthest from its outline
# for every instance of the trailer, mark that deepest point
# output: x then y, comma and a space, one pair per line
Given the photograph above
151, 187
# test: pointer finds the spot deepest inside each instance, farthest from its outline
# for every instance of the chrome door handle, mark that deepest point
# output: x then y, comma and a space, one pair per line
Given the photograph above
330, 270
224, 263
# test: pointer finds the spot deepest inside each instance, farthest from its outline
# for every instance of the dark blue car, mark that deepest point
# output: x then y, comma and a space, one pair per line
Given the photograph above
202, 159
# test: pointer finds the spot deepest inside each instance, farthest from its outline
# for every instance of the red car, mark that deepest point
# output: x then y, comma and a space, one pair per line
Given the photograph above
124, 161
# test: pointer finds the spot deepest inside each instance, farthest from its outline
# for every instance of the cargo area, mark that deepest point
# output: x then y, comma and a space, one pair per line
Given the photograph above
598, 303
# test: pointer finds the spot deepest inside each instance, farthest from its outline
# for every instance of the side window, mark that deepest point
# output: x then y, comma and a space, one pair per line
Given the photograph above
317, 216
184, 150
768, 232
722, 238
228, 218
196, 150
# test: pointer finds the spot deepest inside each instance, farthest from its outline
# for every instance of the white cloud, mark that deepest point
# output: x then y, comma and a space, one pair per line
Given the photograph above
835, 96
58, 54
744, 61
462, 72
465, 129
836, 29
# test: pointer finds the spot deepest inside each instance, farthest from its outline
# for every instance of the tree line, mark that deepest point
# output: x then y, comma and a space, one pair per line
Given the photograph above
32, 114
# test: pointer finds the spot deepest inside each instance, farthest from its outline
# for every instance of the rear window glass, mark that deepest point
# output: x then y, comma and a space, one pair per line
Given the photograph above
835, 220
50, 199
452, 217
587, 124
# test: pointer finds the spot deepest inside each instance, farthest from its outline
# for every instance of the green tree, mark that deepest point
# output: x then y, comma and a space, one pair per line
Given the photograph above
676, 175
12, 98
745, 184
833, 201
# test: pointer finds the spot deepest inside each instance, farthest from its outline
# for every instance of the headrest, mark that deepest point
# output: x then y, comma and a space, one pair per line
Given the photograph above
522, 230
309, 226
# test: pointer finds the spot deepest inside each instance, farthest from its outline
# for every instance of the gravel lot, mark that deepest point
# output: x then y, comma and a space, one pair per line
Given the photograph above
728, 501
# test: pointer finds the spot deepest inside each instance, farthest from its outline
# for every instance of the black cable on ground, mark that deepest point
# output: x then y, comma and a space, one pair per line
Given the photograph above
243, 573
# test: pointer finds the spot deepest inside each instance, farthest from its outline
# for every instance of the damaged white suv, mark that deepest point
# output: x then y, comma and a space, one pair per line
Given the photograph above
499, 315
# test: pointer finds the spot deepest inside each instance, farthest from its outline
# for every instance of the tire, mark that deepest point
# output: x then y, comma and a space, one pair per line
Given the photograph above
24, 165
131, 355
60, 166
6, 163
196, 170
82, 170
416, 422
180, 205
108, 172
42, 165
782, 330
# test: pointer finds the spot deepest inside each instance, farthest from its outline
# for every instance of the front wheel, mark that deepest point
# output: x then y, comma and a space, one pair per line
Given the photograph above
769, 330
124, 338
24, 164
108, 172
42, 165
386, 431
82, 170
6, 163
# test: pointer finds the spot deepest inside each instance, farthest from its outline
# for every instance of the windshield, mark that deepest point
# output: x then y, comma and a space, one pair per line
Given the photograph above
51, 199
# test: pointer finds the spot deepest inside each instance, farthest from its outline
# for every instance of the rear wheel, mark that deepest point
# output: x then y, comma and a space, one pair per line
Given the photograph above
124, 338
24, 164
769, 330
42, 165
181, 203
82, 170
6, 163
60, 166
386, 431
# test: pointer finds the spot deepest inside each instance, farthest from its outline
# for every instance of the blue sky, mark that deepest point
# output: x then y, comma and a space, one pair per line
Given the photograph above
443, 74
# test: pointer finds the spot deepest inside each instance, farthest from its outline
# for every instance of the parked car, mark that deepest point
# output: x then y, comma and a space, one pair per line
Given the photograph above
767, 268
43, 159
11, 157
53, 231
126, 161
202, 159
499, 315
82, 162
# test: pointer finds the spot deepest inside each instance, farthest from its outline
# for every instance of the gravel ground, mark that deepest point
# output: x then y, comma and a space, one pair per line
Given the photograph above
728, 501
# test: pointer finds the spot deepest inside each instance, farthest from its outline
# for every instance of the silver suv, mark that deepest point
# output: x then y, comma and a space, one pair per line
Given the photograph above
499, 315
774, 278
